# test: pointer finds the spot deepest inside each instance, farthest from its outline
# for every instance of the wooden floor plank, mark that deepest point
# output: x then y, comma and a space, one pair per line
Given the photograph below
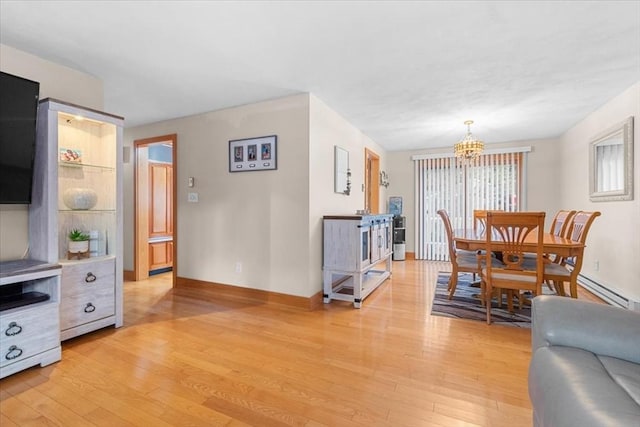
181, 359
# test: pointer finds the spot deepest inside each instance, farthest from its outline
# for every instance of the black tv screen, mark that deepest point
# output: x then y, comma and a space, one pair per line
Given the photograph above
18, 113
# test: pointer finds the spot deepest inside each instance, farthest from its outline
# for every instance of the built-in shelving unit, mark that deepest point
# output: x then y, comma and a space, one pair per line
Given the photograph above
79, 157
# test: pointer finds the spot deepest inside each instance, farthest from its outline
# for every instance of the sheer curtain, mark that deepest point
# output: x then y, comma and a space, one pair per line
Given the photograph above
493, 181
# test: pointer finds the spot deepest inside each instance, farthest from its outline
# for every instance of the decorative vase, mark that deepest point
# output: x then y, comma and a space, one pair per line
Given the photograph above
79, 198
81, 246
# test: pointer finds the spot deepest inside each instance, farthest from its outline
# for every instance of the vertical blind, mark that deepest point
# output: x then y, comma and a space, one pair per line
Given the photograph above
493, 181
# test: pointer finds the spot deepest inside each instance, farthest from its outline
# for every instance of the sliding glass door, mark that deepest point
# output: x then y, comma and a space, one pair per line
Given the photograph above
493, 181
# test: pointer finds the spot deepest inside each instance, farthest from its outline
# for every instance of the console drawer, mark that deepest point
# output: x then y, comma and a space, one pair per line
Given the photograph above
28, 331
88, 292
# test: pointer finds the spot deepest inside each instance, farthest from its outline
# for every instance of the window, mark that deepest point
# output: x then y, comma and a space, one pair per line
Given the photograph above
493, 181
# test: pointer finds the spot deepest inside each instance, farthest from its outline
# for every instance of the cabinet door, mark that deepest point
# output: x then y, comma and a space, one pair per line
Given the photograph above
387, 238
365, 247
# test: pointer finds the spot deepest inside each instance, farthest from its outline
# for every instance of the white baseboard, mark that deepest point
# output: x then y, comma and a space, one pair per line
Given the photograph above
609, 294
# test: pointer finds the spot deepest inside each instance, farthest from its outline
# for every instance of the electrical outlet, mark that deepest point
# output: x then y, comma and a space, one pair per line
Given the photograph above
596, 265
238, 267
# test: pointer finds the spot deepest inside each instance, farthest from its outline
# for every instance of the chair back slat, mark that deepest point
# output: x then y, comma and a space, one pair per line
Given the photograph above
561, 221
511, 229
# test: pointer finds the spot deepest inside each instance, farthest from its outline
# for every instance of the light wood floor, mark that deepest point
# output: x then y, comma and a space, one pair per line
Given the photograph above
182, 361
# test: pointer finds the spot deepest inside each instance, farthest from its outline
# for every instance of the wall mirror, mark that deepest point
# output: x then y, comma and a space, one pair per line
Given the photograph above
341, 171
611, 163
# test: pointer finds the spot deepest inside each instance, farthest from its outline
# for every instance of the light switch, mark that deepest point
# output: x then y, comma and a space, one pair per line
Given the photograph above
193, 197
191, 181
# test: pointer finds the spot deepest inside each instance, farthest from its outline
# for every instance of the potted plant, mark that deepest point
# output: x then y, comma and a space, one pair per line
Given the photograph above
78, 242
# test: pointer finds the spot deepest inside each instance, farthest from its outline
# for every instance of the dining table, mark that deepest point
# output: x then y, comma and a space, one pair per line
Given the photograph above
473, 241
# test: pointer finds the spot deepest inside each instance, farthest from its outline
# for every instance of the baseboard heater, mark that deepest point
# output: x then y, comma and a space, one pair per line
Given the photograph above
610, 296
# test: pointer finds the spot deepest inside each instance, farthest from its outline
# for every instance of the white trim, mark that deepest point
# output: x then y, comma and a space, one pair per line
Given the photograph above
609, 294
451, 155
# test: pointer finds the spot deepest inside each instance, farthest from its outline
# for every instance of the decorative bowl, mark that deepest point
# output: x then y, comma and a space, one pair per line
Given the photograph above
80, 198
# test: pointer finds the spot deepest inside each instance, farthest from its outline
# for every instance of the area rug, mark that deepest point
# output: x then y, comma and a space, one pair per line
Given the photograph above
465, 304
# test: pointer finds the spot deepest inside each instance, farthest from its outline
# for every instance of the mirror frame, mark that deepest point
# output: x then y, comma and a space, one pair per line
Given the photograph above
625, 128
341, 182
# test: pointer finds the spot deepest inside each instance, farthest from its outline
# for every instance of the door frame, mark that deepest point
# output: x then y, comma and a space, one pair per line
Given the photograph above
371, 181
140, 248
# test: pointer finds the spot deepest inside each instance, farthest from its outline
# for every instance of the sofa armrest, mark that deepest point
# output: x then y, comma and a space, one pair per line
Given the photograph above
601, 329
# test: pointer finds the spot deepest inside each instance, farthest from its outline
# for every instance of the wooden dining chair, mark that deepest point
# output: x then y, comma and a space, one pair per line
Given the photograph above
559, 227
560, 223
461, 261
480, 220
506, 232
558, 271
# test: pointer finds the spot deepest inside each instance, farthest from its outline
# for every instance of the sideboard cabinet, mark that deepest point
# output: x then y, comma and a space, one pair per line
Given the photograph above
29, 312
356, 256
78, 182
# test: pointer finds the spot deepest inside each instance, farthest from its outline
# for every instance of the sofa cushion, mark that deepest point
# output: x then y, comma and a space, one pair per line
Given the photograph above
626, 374
573, 387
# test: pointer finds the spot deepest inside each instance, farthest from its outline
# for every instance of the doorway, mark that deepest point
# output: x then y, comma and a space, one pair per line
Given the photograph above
155, 175
371, 181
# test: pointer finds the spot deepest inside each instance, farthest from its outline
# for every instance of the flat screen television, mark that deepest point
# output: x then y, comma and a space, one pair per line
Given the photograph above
18, 114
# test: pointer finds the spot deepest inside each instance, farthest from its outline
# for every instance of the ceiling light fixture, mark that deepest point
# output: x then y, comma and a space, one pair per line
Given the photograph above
469, 147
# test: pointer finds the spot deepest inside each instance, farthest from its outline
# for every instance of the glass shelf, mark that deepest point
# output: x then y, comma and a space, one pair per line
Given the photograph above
85, 165
86, 211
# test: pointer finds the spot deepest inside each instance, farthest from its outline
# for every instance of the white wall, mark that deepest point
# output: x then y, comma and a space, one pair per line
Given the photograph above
542, 191
614, 238
58, 82
328, 129
271, 221
257, 218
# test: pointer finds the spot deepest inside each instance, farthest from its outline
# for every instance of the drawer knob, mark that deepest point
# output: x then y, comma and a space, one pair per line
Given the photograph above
90, 308
13, 329
13, 353
90, 277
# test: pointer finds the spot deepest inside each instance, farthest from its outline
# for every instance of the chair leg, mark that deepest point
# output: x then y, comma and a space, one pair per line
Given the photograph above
510, 300
487, 298
559, 285
573, 287
550, 285
453, 283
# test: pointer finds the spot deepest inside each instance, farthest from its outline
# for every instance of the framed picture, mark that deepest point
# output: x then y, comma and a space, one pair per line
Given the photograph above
68, 155
253, 154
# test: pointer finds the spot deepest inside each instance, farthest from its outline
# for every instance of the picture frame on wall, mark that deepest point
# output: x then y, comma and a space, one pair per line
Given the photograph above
253, 154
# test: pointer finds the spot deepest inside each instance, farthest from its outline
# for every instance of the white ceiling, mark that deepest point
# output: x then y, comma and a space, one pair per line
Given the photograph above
408, 74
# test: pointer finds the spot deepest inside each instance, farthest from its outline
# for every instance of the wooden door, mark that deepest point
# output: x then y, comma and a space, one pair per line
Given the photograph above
161, 193
155, 208
160, 215
371, 181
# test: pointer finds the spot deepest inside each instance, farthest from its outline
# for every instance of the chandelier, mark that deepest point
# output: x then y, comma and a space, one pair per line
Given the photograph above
469, 147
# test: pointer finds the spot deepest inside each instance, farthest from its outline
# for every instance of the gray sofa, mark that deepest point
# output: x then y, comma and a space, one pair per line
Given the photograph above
585, 364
